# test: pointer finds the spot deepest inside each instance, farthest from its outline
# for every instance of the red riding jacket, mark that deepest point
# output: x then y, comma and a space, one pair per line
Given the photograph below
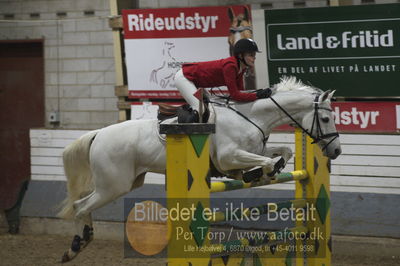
224, 72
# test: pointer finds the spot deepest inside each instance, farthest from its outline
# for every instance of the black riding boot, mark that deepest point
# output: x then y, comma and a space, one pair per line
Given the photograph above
187, 115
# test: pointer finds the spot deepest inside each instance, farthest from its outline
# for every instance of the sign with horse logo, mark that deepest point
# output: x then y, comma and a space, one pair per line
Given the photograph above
159, 41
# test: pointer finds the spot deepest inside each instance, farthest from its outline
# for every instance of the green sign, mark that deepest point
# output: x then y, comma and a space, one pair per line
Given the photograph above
353, 49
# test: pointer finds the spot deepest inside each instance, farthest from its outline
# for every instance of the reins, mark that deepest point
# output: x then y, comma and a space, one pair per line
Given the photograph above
227, 105
265, 139
320, 135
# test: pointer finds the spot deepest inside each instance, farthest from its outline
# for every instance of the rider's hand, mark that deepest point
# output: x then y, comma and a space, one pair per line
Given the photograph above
264, 93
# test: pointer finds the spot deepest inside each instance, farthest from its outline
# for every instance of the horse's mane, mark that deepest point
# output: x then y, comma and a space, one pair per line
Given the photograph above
291, 83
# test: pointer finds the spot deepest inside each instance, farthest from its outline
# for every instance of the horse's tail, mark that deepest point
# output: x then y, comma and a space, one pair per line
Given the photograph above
77, 170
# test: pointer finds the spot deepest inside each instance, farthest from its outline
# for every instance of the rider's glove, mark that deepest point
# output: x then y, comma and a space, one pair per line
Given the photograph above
264, 93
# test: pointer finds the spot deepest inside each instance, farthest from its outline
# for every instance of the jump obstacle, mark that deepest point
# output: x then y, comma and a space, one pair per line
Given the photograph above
188, 186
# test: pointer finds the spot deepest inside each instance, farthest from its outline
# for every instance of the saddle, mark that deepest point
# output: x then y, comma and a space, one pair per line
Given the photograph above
184, 113
166, 111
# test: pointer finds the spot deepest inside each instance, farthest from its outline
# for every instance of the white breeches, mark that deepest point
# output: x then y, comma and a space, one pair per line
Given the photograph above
186, 89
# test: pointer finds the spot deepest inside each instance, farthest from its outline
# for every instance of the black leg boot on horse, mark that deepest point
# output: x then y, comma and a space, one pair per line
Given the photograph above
78, 242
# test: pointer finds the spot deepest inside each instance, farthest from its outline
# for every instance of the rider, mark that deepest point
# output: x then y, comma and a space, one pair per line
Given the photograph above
224, 72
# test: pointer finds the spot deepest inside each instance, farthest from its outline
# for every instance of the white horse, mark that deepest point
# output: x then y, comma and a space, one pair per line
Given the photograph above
105, 164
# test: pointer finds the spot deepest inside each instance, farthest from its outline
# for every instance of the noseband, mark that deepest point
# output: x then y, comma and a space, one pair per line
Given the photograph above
316, 122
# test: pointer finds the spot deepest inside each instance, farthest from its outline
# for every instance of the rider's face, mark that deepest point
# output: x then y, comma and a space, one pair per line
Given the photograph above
249, 58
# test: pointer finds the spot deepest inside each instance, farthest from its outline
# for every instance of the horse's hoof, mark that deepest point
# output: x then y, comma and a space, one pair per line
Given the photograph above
68, 256
65, 257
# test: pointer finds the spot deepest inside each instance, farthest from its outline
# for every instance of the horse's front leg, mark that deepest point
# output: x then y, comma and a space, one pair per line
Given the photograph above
282, 151
270, 166
245, 160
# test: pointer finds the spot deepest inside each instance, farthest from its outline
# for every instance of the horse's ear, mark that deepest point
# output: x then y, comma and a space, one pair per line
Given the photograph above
246, 13
231, 15
324, 96
331, 94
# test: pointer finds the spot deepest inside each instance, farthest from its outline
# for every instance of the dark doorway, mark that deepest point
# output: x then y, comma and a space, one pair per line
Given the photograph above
21, 108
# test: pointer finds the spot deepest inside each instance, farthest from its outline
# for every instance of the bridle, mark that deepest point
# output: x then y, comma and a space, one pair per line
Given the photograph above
316, 122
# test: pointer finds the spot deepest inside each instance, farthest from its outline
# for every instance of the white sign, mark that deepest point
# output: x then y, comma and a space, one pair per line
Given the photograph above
159, 41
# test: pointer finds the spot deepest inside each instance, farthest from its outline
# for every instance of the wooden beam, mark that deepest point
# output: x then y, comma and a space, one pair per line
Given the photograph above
115, 22
119, 73
121, 91
124, 105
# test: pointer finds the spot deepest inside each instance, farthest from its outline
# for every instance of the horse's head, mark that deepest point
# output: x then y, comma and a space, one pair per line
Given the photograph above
320, 123
240, 27
310, 109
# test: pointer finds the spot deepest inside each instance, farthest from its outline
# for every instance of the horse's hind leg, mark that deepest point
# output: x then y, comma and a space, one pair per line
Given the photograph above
83, 221
84, 234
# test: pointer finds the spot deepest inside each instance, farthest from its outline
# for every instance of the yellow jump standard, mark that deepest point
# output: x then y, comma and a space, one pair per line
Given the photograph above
188, 186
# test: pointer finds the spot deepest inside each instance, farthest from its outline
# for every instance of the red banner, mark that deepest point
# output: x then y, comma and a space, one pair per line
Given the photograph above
177, 22
364, 117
